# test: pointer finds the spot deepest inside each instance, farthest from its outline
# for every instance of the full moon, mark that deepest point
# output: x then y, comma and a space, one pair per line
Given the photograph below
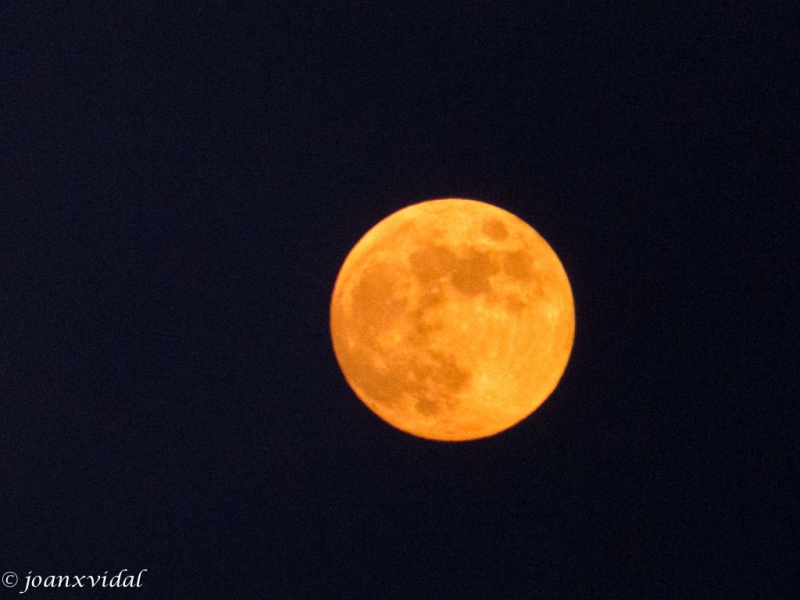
452, 319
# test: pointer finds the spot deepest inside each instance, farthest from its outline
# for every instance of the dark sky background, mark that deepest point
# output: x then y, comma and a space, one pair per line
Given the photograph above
179, 186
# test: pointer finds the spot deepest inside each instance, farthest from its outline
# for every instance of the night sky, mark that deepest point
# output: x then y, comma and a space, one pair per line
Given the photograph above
179, 186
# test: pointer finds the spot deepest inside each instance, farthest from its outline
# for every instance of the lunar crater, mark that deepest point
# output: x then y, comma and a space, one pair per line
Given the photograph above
495, 229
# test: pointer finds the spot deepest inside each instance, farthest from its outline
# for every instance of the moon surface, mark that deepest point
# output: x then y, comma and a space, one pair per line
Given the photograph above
452, 319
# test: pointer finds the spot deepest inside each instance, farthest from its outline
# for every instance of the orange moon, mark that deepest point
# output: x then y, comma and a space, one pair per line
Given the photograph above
452, 319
